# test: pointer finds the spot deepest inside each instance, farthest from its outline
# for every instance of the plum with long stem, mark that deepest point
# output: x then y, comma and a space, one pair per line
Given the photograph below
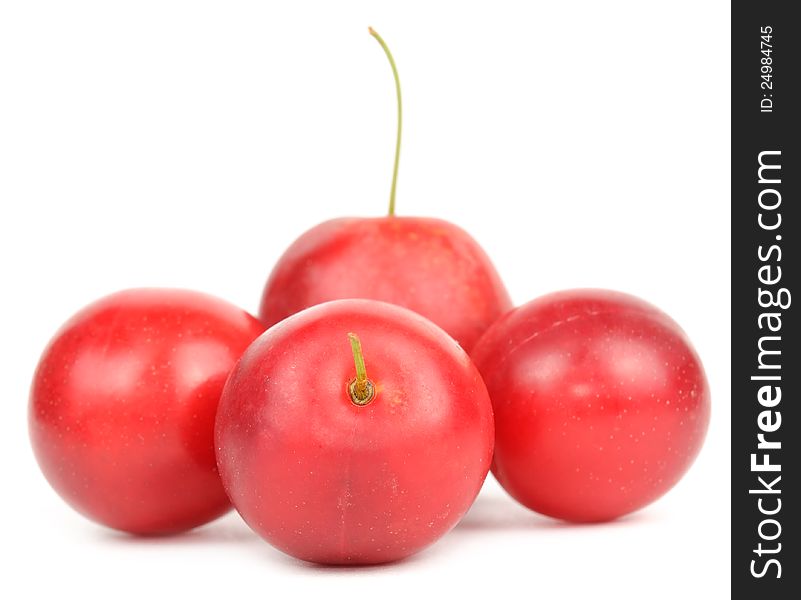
428, 265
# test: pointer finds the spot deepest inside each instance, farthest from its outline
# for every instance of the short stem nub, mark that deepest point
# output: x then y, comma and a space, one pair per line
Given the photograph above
361, 389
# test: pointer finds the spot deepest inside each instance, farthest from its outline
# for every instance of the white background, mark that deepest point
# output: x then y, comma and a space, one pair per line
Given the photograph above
186, 144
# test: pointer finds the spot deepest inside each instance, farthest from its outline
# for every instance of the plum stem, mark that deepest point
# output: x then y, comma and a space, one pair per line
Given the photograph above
400, 119
361, 389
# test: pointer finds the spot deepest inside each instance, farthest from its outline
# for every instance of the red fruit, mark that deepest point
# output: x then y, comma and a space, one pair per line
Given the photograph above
123, 403
328, 473
428, 265
601, 403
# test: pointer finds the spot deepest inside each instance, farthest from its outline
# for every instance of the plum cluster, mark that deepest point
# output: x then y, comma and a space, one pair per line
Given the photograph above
355, 419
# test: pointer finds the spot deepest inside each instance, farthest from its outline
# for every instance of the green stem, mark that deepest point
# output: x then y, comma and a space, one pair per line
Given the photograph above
361, 389
400, 120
